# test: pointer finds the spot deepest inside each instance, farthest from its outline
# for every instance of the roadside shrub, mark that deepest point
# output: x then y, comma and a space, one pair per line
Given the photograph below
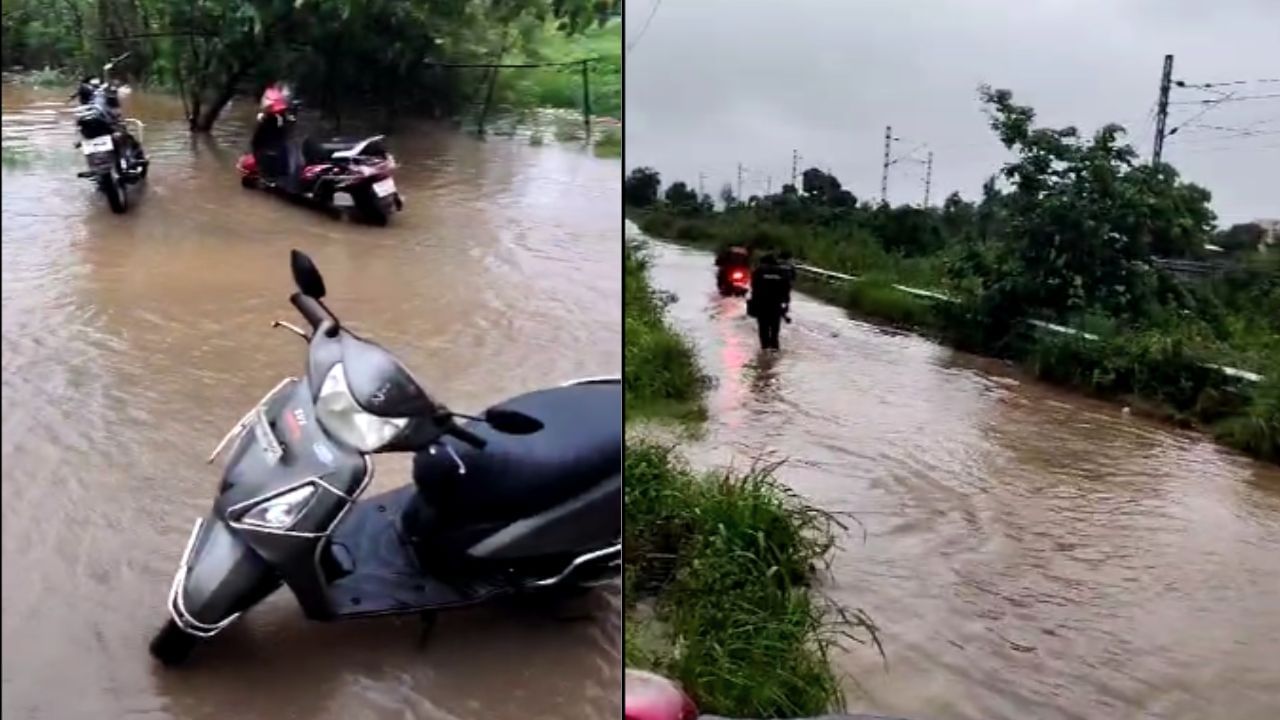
660, 371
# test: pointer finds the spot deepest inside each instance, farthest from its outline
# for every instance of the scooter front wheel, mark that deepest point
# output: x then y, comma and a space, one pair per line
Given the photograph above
172, 646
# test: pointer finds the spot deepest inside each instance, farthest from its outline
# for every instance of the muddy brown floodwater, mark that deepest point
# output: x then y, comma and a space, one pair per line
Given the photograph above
1028, 553
132, 343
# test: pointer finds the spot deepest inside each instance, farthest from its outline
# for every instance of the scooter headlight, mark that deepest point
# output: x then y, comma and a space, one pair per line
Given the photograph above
344, 419
281, 511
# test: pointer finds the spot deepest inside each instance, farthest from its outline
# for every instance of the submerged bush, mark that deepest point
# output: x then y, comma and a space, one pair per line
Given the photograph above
1257, 430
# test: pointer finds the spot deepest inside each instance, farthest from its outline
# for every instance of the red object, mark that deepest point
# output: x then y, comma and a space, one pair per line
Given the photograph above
247, 165
738, 275
275, 99
653, 697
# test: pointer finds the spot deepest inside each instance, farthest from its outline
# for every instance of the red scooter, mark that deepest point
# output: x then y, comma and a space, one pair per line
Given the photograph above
344, 177
733, 272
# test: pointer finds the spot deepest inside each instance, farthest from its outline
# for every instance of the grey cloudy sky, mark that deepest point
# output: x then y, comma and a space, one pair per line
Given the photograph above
715, 82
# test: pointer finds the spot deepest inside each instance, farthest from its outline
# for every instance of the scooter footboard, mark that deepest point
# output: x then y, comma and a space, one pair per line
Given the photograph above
218, 578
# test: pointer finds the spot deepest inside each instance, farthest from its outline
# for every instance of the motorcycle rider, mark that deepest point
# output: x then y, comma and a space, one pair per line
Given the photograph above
770, 299
271, 141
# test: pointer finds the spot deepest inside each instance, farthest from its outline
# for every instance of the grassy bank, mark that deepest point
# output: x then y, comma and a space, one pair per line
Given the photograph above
661, 376
1159, 368
719, 565
561, 87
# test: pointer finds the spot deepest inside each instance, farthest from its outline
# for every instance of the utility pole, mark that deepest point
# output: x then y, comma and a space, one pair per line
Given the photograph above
701, 178
928, 178
768, 185
884, 170
795, 162
1162, 110
739, 195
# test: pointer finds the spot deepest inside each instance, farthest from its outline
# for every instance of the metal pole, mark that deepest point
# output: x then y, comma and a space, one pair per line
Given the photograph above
928, 178
1162, 112
884, 170
586, 97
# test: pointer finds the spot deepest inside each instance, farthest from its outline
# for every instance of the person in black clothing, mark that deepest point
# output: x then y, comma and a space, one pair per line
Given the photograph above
788, 263
770, 299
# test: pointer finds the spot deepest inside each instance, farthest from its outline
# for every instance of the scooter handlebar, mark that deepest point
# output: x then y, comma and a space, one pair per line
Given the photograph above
466, 436
315, 313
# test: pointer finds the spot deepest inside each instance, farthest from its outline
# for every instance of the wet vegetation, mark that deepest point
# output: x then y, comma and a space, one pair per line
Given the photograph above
1072, 230
661, 375
719, 566
391, 55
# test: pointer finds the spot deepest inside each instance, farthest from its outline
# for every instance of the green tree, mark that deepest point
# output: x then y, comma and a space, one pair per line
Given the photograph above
640, 189
1082, 220
680, 197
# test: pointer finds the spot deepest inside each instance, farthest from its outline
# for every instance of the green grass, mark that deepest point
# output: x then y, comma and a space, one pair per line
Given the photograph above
661, 376
729, 559
561, 87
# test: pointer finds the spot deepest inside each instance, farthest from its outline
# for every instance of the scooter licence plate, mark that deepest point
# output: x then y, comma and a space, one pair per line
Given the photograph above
96, 145
384, 188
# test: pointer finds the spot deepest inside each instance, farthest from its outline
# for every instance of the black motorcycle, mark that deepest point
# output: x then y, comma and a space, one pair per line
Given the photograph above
525, 499
113, 153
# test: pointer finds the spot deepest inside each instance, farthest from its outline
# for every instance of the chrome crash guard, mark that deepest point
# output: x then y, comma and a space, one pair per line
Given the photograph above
218, 578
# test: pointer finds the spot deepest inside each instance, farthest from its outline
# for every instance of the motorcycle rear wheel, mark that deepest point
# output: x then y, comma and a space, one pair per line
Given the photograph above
172, 645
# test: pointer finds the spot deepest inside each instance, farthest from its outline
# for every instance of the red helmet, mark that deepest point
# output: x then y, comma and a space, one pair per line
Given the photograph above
653, 697
276, 98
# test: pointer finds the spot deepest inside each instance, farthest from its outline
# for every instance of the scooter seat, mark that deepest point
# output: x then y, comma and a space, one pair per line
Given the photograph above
579, 445
316, 151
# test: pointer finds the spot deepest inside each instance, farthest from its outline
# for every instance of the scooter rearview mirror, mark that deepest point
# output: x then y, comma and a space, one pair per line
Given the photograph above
512, 422
305, 275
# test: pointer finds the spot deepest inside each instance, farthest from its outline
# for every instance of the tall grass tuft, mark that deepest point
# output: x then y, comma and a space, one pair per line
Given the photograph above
730, 559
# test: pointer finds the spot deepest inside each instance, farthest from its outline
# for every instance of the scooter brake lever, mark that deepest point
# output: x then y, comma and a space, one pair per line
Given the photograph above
291, 327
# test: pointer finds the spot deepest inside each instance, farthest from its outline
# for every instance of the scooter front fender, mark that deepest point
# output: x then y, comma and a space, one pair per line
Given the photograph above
218, 578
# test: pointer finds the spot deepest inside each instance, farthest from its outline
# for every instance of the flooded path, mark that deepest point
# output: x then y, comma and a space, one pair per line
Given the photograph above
132, 343
1028, 553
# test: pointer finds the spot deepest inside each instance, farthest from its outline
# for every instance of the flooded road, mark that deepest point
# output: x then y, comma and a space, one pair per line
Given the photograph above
132, 343
1028, 553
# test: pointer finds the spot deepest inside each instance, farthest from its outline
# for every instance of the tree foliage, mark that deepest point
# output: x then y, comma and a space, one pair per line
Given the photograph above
1082, 221
338, 51
640, 189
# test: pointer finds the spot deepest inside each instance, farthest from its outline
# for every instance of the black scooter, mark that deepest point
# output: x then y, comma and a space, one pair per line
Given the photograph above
114, 154
526, 499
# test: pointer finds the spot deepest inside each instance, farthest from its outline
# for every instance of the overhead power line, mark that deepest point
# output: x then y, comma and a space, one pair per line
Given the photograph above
1234, 98
644, 28
1185, 84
